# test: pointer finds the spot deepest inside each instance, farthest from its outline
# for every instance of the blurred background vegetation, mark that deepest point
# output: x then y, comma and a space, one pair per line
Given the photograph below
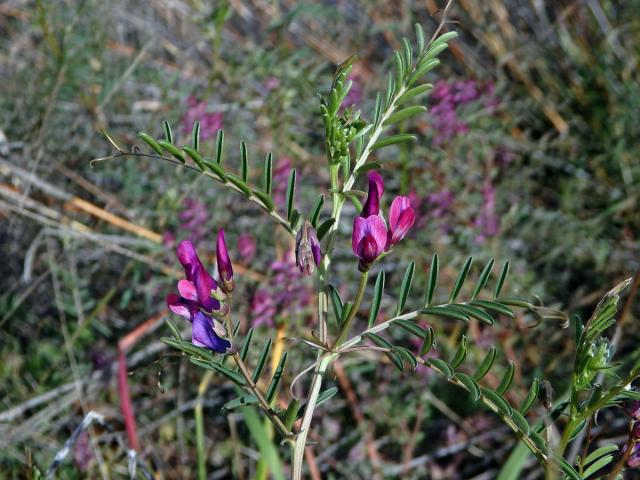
529, 153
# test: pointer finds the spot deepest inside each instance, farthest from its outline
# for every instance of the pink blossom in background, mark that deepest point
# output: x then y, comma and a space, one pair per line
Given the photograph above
246, 248
448, 97
439, 204
82, 452
285, 293
488, 222
193, 217
272, 83
210, 122
263, 308
281, 179
356, 94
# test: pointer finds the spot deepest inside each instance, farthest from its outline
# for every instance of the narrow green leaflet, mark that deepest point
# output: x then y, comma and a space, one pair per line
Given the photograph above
411, 327
483, 278
600, 452
291, 189
257, 372
445, 312
245, 346
219, 146
460, 354
498, 401
470, 384
442, 366
241, 402
405, 114
405, 287
168, 135
195, 135
172, 149
244, 161
501, 279
486, 364
507, 379
528, 402
433, 280
275, 381
151, 142
268, 173
393, 140
323, 229
427, 342
462, 276
265, 199
238, 182
336, 303
378, 291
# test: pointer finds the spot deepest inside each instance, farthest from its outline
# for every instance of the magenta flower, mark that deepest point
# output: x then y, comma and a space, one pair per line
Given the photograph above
246, 247
196, 300
368, 239
225, 269
308, 253
207, 332
198, 283
210, 122
376, 189
401, 218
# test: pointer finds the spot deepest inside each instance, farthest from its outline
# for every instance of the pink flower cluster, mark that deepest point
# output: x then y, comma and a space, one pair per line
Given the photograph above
285, 292
197, 111
447, 98
370, 237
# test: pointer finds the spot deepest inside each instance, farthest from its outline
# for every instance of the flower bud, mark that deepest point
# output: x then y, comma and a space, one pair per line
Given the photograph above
225, 269
308, 252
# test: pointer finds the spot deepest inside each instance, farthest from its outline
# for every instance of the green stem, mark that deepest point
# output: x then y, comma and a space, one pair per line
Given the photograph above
199, 419
284, 431
346, 327
301, 439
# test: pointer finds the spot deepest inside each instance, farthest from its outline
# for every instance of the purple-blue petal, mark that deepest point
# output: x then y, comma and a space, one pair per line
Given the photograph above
203, 335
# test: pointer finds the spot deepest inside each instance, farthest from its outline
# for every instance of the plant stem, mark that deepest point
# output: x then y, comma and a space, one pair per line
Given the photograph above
301, 439
346, 327
284, 431
199, 419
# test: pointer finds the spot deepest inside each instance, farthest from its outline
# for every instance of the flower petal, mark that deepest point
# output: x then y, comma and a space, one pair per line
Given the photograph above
181, 306
225, 269
357, 233
376, 227
188, 258
205, 283
398, 205
376, 189
187, 290
203, 335
405, 222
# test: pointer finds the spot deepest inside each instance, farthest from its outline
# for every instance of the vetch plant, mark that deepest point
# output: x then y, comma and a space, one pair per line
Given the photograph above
351, 142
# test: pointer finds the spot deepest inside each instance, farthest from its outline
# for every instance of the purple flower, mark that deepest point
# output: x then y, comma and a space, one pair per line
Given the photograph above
356, 93
210, 122
488, 222
368, 239
207, 332
225, 269
376, 189
196, 297
246, 247
263, 308
284, 294
370, 236
634, 411
308, 253
401, 218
